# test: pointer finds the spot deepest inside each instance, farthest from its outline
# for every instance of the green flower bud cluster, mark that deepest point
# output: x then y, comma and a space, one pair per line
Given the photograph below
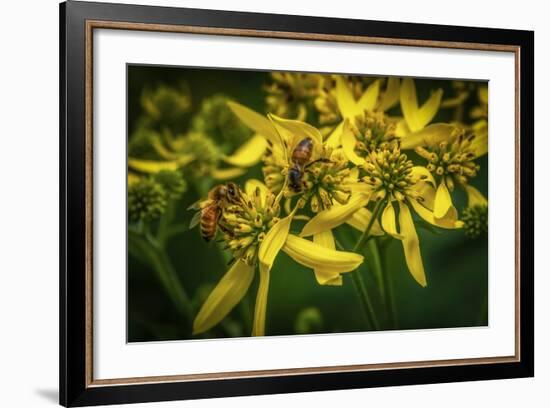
172, 182
476, 220
140, 142
146, 200
148, 197
216, 120
165, 104
204, 150
309, 320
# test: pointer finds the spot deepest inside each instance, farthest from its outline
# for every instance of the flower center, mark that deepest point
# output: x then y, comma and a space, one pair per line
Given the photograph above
326, 180
452, 159
245, 224
373, 131
389, 172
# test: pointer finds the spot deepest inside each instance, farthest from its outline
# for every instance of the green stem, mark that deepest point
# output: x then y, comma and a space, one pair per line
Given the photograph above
364, 298
365, 235
165, 221
163, 267
356, 276
387, 283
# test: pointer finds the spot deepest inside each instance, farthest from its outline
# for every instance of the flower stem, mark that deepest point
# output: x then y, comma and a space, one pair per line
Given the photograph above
364, 298
157, 258
356, 276
387, 284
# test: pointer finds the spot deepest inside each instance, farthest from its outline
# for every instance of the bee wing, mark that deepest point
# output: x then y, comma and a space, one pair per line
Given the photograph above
195, 220
199, 205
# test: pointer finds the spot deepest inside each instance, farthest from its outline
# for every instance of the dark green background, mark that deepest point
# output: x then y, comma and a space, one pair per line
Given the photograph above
456, 266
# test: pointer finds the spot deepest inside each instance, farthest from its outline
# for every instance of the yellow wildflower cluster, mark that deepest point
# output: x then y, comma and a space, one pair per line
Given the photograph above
360, 172
333, 150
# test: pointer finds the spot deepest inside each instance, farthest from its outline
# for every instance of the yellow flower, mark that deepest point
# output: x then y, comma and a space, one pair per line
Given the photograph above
255, 234
391, 178
370, 100
450, 159
416, 118
326, 102
320, 176
322, 180
366, 133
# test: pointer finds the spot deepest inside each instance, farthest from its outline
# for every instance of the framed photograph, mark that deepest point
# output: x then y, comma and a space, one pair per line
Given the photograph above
256, 204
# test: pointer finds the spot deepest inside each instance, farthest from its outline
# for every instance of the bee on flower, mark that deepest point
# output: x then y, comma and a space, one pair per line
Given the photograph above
391, 182
253, 229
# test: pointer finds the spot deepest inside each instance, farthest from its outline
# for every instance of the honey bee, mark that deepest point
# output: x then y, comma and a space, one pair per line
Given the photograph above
211, 209
300, 156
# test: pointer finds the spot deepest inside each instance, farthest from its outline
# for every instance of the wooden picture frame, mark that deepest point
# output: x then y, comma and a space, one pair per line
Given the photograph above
78, 20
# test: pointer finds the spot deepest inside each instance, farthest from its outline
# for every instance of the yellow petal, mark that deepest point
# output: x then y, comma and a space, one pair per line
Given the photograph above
313, 256
480, 144
227, 293
428, 111
369, 98
360, 220
475, 197
409, 104
299, 130
401, 129
325, 276
430, 135
443, 202
391, 96
348, 145
450, 221
417, 118
423, 174
258, 326
252, 185
388, 221
274, 240
344, 98
411, 245
334, 139
426, 191
249, 153
163, 151
152, 166
258, 123
336, 215
227, 174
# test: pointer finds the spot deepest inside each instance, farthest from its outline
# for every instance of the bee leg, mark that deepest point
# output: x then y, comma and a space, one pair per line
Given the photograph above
321, 160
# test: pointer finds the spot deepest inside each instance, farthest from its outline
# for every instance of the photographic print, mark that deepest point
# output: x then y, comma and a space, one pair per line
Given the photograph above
288, 203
